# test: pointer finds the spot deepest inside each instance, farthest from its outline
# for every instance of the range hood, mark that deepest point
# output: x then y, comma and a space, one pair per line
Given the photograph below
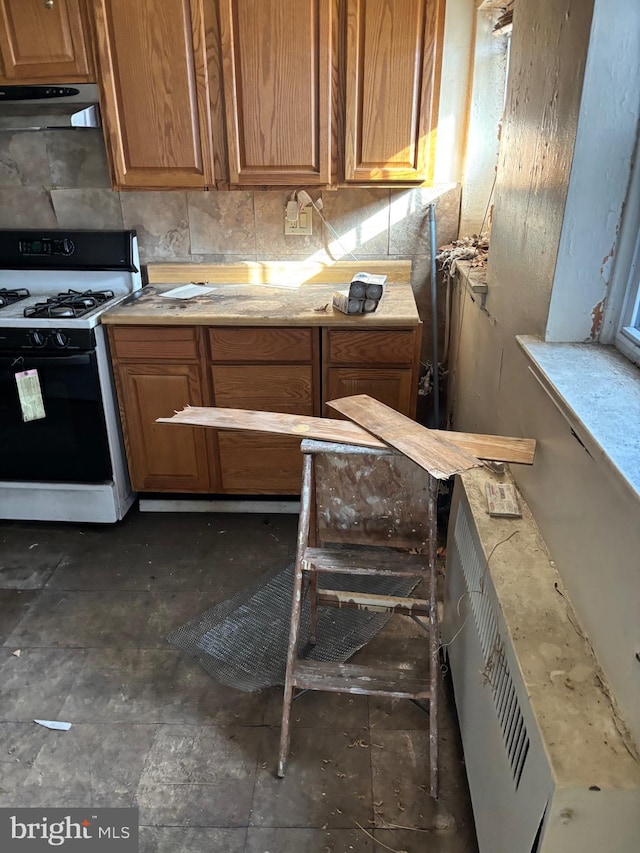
44, 107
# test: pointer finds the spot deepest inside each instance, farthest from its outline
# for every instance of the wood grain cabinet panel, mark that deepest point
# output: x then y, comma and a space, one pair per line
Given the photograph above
263, 377
383, 363
257, 463
256, 344
162, 458
392, 386
152, 60
386, 346
393, 57
41, 43
270, 388
277, 58
138, 343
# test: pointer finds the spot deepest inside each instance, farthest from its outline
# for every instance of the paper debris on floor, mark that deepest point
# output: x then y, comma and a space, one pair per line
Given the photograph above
54, 724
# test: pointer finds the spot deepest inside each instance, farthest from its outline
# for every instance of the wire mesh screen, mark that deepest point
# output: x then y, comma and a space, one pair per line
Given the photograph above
242, 642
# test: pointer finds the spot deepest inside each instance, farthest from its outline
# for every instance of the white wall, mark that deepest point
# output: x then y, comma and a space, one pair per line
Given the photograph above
483, 142
588, 518
454, 90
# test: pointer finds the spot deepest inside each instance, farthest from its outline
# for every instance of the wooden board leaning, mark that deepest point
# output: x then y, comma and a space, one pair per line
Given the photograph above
492, 447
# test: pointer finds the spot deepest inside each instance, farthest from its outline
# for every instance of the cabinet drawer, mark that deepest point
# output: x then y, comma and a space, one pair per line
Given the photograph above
370, 347
154, 342
256, 344
270, 388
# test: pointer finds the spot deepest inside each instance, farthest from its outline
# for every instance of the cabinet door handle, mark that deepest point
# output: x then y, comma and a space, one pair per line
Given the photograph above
48, 4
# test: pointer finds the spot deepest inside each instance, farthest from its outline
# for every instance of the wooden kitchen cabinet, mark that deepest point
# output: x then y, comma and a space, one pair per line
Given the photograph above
381, 363
289, 358
157, 372
161, 369
277, 64
273, 370
43, 41
257, 93
319, 92
393, 58
152, 69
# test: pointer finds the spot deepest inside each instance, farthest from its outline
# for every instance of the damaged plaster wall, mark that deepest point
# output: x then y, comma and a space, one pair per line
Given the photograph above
485, 114
587, 515
600, 176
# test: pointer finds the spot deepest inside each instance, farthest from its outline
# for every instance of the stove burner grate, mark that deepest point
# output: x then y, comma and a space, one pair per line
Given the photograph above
73, 303
8, 297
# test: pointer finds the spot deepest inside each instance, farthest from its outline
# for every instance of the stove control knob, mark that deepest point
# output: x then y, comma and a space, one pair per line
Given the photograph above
60, 340
64, 247
38, 339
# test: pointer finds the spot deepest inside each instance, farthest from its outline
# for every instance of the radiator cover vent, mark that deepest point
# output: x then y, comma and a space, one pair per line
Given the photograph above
547, 766
496, 672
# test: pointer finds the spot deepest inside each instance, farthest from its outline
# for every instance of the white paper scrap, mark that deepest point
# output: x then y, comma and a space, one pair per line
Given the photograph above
54, 724
187, 291
30, 395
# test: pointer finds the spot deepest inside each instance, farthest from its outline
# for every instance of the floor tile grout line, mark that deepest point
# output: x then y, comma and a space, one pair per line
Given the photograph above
372, 817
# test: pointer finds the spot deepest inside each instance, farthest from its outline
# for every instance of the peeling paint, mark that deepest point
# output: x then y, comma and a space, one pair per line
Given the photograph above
597, 317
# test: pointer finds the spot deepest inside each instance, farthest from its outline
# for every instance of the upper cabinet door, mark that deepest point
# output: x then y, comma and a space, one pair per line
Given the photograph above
392, 88
43, 40
153, 72
277, 65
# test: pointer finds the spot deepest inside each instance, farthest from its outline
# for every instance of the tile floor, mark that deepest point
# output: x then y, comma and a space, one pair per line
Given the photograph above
89, 607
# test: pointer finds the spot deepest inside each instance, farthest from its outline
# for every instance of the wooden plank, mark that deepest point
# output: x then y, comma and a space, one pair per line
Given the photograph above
366, 561
441, 458
271, 272
377, 603
363, 680
324, 429
494, 447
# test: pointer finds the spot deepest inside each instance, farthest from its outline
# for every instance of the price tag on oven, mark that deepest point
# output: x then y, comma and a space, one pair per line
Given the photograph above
30, 394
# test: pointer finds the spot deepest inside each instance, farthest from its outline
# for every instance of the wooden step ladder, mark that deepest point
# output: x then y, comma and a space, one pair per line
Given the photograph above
364, 512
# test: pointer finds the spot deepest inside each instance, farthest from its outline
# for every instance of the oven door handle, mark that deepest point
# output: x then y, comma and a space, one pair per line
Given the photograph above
26, 361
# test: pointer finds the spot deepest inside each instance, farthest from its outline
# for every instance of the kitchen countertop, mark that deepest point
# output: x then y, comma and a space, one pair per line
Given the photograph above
297, 302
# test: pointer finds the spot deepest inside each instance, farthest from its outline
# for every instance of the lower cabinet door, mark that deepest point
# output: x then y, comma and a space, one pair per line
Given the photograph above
162, 457
392, 386
258, 463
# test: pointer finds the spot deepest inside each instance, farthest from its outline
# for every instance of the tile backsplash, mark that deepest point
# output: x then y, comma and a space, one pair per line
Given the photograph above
60, 179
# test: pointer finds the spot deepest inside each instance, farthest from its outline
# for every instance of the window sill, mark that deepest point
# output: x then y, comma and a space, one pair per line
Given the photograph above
473, 278
598, 392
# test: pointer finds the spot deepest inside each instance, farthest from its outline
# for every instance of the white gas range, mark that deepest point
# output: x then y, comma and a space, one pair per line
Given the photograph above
61, 450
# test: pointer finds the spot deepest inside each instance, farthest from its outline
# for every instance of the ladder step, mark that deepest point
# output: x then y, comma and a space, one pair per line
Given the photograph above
369, 601
367, 561
363, 680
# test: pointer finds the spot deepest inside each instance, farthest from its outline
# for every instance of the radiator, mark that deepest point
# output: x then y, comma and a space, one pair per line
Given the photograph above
550, 765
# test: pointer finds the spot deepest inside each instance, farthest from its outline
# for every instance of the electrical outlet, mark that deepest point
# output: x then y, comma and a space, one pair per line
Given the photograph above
302, 226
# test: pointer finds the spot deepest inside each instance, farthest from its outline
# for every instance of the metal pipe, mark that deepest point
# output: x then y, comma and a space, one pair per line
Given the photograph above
434, 318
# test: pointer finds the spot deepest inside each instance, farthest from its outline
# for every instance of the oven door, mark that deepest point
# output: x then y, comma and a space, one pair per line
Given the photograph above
69, 444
